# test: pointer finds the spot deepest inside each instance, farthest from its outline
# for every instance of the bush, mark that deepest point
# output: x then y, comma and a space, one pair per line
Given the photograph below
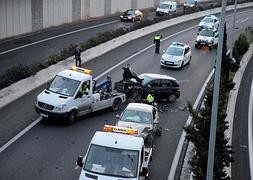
241, 46
15, 74
54, 58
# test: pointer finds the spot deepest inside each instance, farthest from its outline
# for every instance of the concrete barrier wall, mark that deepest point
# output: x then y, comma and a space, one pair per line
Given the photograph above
23, 16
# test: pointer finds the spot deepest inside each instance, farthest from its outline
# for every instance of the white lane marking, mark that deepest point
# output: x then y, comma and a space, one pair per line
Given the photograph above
250, 140
182, 138
54, 37
19, 135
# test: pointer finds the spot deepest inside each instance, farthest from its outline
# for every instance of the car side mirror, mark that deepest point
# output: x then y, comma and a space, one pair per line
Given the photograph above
144, 172
79, 161
117, 116
79, 95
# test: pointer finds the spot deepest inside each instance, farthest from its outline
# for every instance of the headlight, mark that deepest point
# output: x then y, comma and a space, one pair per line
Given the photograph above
121, 16
60, 107
162, 60
210, 41
178, 61
129, 17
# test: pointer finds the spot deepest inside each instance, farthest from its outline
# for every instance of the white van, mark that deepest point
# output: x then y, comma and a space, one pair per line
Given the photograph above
166, 8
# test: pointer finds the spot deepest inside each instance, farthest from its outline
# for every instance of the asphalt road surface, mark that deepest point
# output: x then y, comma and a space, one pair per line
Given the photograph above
49, 150
18, 51
241, 168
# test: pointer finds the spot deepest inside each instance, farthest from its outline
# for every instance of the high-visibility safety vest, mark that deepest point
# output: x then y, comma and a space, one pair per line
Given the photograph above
150, 98
84, 91
157, 37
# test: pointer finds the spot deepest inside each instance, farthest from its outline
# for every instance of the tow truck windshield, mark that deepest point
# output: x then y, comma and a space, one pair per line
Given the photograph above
112, 161
64, 86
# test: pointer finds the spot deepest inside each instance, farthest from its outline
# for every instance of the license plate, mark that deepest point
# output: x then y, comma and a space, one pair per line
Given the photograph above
44, 115
169, 63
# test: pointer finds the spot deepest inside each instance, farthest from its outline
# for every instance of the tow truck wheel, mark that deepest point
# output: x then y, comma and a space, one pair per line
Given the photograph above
172, 98
116, 104
71, 118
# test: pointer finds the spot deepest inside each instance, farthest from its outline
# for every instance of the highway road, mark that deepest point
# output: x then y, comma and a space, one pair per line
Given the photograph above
36, 47
242, 128
49, 150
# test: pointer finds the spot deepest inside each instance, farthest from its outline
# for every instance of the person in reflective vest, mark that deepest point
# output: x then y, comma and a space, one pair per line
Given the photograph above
157, 43
84, 89
150, 98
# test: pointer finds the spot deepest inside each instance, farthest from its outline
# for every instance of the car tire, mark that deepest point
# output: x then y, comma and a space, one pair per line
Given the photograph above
159, 131
71, 117
189, 62
116, 104
182, 65
172, 98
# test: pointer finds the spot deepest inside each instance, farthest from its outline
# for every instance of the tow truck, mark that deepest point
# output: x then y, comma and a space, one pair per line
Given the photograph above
115, 154
63, 98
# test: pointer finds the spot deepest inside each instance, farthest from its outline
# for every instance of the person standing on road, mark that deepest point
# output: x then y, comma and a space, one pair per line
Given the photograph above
150, 98
157, 43
77, 54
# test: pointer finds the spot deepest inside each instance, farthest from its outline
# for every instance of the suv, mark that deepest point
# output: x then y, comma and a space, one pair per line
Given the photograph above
207, 37
209, 22
176, 56
163, 87
142, 117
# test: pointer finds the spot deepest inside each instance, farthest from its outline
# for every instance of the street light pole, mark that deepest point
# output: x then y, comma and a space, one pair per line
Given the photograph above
233, 30
215, 102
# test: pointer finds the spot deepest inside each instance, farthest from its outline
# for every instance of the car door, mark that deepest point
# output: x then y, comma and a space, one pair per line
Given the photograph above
216, 38
153, 86
186, 55
84, 103
165, 88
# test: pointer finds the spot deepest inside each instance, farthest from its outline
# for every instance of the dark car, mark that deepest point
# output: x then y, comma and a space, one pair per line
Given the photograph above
162, 86
131, 15
190, 4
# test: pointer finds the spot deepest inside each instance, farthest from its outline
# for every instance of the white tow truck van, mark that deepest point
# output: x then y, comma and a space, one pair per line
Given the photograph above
115, 154
63, 98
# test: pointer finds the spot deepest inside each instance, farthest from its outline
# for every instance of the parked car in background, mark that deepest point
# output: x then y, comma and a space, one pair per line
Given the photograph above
131, 15
190, 4
209, 22
176, 56
166, 8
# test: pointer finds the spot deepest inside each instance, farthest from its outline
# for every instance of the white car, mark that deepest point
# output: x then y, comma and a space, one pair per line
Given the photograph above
209, 22
207, 37
166, 8
176, 56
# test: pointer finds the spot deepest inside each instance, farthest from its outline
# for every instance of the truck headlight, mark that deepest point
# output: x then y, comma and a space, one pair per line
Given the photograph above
60, 107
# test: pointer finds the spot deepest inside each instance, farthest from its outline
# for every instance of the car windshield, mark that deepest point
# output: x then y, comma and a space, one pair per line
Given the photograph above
190, 1
175, 51
112, 161
208, 20
136, 116
206, 33
130, 12
64, 86
165, 6
145, 78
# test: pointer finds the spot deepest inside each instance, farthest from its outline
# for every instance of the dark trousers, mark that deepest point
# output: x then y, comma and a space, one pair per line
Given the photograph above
157, 47
78, 61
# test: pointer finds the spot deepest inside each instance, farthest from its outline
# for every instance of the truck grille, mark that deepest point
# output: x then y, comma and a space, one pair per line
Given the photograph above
45, 106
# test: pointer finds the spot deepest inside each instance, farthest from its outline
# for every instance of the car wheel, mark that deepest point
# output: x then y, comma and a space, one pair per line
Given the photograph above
71, 117
172, 98
116, 104
159, 131
189, 62
182, 65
